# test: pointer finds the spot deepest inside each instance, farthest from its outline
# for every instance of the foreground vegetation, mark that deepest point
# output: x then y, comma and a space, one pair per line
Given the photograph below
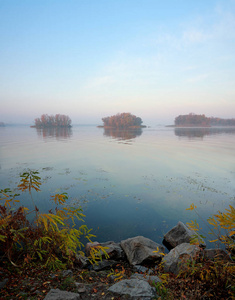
33, 251
51, 240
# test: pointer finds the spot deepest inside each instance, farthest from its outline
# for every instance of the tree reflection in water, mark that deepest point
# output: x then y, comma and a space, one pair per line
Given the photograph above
122, 134
193, 133
55, 132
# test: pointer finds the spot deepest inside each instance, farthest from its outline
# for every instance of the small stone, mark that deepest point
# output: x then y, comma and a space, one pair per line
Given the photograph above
140, 269
3, 283
80, 287
66, 273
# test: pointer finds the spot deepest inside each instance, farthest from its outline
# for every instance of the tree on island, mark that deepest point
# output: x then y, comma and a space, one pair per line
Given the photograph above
222, 122
123, 120
192, 120
47, 121
201, 121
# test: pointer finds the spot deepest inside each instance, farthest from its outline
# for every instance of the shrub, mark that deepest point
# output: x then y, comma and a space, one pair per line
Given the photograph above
213, 279
205, 278
221, 227
51, 239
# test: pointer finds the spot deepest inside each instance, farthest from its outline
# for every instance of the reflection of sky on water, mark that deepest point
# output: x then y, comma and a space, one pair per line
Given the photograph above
139, 189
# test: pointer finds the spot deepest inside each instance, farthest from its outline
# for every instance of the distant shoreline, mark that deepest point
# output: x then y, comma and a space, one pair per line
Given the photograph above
52, 126
129, 127
194, 126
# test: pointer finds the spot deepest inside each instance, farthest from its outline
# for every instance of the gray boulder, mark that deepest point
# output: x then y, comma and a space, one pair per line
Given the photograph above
149, 278
89, 246
113, 250
133, 287
81, 261
177, 258
180, 234
56, 294
216, 254
104, 264
141, 250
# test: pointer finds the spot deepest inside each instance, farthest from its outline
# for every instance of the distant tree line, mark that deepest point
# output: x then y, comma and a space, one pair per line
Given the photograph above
221, 122
52, 121
201, 120
123, 120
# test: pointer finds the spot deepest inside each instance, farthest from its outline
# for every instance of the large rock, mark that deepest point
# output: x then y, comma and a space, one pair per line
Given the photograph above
89, 246
177, 258
149, 278
133, 287
140, 250
104, 264
216, 254
180, 234
56, 294
113, 249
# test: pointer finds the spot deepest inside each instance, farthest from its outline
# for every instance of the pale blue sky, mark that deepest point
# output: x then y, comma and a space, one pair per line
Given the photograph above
93, 58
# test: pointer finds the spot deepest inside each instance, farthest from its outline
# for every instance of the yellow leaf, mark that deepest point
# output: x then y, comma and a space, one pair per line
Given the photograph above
192, 207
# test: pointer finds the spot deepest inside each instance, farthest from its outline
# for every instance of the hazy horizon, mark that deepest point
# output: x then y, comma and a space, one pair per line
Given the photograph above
92, 59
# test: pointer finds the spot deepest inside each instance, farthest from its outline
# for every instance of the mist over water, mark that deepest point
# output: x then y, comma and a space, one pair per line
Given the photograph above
128, 182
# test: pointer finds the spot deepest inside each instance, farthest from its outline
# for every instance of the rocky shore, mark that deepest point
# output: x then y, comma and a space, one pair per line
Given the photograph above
138, 256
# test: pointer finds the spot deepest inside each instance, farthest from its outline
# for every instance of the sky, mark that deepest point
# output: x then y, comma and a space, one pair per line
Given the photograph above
89, 59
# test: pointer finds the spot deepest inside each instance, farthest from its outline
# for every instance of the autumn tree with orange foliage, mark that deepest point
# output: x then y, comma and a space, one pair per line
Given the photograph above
52, 121
201, 121
192, 120
123, 120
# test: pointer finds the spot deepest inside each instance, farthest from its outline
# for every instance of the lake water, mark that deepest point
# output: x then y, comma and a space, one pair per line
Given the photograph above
128, 183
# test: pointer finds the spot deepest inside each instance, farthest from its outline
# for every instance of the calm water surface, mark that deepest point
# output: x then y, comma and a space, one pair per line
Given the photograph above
128, 183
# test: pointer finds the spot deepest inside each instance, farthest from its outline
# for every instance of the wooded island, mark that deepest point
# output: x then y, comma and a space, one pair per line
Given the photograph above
123, 121
193, 120
51, 121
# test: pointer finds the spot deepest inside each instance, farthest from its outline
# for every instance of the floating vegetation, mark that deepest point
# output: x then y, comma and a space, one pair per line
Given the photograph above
48, 169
